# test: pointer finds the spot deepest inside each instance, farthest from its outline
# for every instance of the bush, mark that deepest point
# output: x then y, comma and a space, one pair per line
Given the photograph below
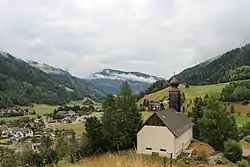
243, 163
245, 102
222, 161
200, 156
232, 151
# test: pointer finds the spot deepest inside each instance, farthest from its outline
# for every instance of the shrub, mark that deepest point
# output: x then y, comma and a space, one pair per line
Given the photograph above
201, 156
222, 161
232, 151
243, 163
248, 160
245, 102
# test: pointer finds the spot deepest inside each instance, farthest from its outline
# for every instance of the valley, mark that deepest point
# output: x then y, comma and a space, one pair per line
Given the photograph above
72, 114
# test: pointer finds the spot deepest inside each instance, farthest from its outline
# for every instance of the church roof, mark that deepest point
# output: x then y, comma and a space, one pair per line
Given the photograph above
177, 122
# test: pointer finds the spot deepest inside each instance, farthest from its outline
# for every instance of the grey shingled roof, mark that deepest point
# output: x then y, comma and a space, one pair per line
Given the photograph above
177, 122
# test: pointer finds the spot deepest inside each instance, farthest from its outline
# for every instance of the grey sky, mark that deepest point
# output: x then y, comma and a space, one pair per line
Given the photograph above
152, 36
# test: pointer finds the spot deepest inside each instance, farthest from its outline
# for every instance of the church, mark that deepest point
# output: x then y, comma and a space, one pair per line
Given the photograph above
166, 132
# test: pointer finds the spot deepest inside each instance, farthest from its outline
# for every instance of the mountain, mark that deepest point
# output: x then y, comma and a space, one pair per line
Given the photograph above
233, 65
21, 84
109, 80
47, 68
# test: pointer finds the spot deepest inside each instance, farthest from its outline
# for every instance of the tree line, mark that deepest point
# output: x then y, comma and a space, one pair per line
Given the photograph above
233, 65
22, 84
236, 91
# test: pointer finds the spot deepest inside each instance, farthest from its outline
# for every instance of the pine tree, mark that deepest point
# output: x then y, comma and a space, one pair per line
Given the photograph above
121, 120
94, 133
131, 117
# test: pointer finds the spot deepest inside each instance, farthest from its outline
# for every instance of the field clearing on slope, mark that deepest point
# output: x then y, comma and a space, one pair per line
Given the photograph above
242, 109
191, 92
40, 108
241, 120
78, 128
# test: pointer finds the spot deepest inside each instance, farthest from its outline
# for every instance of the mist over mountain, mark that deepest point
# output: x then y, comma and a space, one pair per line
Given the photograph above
109, 80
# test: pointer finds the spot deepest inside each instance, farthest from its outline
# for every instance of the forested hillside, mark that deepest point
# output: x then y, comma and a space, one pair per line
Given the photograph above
231, 66
21, 84
236, 91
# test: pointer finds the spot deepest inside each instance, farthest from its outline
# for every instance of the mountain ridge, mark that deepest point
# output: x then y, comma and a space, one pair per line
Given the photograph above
223, 68
21, 84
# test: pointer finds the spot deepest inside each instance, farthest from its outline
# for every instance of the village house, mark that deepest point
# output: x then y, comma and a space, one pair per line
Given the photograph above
165, 100
167, 132
4, 129
12, 112
16, 134
63, 114
156, 106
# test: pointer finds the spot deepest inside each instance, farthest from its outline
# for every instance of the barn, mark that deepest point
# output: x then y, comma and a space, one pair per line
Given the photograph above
166, 132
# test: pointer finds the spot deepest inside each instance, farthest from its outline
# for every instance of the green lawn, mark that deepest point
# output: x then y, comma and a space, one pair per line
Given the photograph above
78, 128
41, 108
194, 91
191, 92
241, 120
16, 118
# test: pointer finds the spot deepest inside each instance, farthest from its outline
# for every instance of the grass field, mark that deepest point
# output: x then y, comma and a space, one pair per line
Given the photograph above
40, 108
241, 119
116, 160
191, 92
78, 128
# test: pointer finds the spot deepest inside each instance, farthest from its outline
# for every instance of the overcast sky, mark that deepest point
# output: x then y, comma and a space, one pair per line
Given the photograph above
153, 36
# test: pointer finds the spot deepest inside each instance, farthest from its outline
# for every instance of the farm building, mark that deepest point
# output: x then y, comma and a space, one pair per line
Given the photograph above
166, 132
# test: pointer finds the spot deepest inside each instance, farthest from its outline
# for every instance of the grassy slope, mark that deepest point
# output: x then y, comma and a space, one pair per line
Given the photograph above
190, 92
78, 128
194, 91
135, 160
40, 109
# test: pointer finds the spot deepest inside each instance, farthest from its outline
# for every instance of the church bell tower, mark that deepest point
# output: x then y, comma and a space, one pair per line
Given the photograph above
175, 95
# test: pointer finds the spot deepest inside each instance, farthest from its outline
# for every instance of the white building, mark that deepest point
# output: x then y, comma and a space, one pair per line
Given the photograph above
168, 131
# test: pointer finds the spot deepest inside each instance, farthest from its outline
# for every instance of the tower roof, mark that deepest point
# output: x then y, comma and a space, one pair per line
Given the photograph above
174, 82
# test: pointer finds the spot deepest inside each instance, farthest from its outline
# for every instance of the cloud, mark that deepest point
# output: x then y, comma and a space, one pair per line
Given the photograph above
154, 36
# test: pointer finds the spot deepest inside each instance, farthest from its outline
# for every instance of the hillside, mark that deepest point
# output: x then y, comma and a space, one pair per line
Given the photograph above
131, 160
231, 66
21, 84
47, 68
190, 93
109, 80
